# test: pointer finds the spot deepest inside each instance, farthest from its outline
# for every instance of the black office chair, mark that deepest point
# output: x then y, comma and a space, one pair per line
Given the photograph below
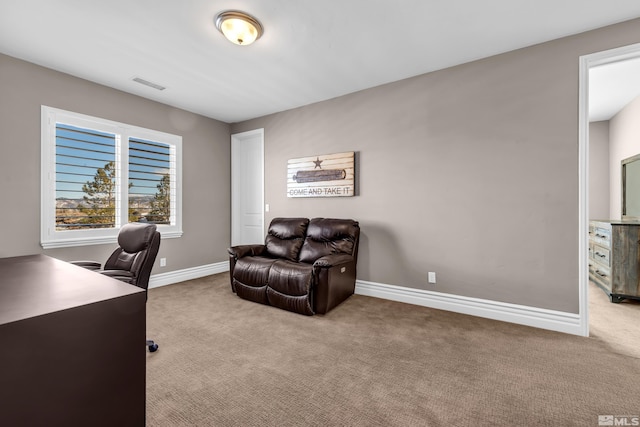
132, 261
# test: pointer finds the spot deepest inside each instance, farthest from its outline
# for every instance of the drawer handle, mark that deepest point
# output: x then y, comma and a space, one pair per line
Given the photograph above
604, 236
601, 255
600, 273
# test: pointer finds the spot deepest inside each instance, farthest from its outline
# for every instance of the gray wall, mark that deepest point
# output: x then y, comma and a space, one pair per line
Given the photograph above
471, 172
599, 170
24, 87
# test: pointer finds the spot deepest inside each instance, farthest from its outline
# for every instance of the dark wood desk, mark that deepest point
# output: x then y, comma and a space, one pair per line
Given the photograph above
71, 346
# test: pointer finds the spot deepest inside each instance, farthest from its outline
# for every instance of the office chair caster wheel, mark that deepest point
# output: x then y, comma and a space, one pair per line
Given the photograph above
153, 348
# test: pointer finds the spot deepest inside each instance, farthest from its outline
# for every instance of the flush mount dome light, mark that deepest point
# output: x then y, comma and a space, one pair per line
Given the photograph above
238, 27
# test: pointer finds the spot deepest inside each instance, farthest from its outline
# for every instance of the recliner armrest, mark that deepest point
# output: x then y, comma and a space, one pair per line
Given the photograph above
335, 280
89, 265
333, 260
122, 275
241, 251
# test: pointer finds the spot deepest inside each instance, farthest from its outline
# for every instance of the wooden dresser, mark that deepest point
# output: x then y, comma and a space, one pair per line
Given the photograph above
614, 258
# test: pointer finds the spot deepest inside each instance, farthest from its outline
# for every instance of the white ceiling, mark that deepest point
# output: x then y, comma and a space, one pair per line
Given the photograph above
611, 87
311, 50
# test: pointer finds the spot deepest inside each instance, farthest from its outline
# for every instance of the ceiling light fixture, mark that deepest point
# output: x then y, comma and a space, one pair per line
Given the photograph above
238, 27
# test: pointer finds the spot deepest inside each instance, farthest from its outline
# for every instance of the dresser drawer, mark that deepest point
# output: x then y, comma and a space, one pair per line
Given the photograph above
602, 236
602, 275
601, 255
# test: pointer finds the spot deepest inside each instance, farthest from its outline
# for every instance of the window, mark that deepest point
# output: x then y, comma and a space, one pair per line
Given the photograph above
98, 175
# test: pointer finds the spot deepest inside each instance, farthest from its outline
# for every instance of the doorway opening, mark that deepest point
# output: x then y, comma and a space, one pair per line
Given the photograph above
598, 103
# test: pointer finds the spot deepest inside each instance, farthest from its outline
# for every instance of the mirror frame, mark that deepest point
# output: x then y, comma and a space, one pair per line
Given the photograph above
623, 169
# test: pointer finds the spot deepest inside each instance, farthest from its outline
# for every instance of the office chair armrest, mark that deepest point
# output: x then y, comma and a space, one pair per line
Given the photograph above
122, 275
89, 265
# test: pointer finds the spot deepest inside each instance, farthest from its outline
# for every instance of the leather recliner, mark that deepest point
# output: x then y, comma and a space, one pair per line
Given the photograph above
305, 266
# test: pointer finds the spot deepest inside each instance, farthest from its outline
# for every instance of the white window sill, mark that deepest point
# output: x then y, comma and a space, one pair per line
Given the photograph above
89, 241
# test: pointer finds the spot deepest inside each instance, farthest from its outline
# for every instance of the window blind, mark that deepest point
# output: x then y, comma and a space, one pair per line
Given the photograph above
85, 185
151, 175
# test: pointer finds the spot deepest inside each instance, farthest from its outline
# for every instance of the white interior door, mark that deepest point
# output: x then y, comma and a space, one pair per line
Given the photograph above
247, 187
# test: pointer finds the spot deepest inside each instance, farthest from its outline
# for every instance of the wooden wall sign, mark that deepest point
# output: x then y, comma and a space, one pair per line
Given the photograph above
331, 175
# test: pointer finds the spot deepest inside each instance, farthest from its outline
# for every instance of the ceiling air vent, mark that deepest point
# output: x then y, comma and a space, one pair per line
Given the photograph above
148, 83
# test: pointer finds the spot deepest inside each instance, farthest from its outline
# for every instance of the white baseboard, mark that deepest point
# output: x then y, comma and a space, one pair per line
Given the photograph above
523, 315
176, 276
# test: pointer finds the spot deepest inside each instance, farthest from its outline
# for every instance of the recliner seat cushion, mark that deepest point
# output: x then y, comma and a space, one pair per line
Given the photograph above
326, 236
285, 237
250, 278
289, 286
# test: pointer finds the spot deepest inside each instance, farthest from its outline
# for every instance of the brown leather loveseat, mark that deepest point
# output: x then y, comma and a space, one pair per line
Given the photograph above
305, 266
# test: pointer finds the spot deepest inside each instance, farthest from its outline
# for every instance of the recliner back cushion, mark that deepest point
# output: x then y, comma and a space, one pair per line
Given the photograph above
326, 236
285, 237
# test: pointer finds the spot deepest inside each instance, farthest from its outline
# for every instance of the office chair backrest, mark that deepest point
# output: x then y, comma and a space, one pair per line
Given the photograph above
139, 244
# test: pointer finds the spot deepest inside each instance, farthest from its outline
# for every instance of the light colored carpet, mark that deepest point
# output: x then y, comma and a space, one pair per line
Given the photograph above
224, 361
617, 325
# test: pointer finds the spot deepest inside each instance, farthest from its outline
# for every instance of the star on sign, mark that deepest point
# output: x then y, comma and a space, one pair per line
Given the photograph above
317, 162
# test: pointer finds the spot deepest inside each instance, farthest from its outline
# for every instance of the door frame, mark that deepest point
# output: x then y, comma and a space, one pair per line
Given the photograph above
586, 63
236, 178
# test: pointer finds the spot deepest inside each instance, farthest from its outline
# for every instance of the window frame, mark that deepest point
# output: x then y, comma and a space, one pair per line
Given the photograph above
52, 238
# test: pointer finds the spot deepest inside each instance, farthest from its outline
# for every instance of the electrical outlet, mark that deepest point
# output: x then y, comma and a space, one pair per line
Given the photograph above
163, 262
432, 277
266, 207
